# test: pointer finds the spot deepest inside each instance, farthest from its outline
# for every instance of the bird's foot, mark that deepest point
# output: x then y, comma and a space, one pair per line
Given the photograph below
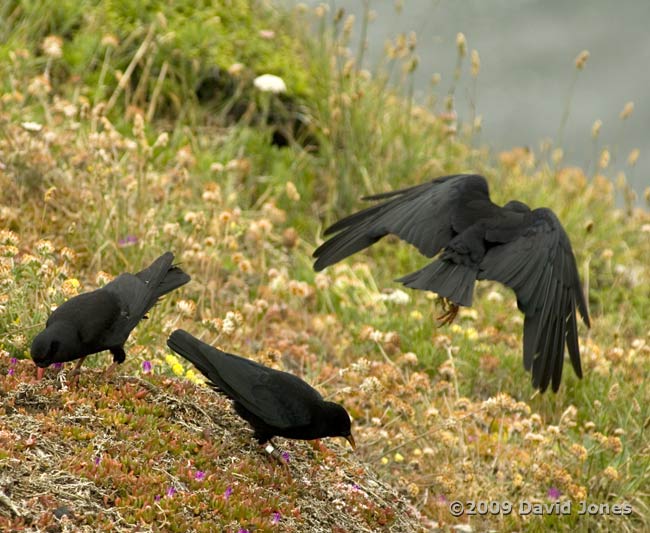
73, 378
281, 457
317, 445
450, 311
110, 370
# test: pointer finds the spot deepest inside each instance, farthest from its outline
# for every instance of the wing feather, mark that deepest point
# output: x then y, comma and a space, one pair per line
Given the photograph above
261, 390
426, 216
540, 267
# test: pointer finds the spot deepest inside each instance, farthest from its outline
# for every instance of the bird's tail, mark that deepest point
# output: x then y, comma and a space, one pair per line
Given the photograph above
191, 348
450, 280
163, 277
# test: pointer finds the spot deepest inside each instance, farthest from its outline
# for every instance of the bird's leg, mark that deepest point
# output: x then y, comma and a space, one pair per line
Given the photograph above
110, 369
119, 356
318, 445
450, 311
76, 371
277, 455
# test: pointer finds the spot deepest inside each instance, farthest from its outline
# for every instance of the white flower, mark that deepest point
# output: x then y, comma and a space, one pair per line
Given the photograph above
228, 326
376, 336
52, 46
494, 296
32, 126
269, 83
397, 296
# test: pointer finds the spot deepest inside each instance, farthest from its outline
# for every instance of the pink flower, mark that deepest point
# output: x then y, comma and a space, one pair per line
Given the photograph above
228, 492
146, 366
200, 475
170, 492
276, 518
554, 493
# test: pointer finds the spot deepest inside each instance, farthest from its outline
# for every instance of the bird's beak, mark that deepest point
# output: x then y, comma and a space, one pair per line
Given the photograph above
350, 439
40, 372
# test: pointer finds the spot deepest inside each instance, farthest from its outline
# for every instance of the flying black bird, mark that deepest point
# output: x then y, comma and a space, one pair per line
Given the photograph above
274, 403
103, 319
526, 250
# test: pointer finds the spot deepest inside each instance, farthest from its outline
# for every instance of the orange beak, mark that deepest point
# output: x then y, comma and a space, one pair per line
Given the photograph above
350, 439
40, 372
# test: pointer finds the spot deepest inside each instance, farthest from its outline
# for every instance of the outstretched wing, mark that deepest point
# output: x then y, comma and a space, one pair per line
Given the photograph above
540, 267
426, 216
278, 398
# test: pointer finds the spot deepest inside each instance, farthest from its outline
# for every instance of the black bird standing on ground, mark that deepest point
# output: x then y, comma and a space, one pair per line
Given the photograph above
526, 250
104, 318
273, 402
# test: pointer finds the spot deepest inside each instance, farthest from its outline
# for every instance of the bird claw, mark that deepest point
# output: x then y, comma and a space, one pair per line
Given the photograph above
278, 456
450, 311
109, 370
73, 380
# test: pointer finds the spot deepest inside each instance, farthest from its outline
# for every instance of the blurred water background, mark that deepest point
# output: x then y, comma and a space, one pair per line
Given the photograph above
527, 50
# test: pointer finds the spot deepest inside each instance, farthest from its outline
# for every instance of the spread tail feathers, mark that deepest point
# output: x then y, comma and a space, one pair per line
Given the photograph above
452, 281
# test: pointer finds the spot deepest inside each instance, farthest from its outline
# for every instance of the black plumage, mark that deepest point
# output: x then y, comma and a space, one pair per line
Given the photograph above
526, 250
273, 402
104, 318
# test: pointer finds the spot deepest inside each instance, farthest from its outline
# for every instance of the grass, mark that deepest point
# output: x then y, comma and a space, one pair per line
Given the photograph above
97, 178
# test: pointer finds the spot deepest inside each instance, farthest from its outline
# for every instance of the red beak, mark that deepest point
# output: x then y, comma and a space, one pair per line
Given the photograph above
40, 372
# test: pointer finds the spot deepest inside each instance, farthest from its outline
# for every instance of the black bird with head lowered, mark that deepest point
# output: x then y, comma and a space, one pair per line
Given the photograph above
526, 250
273, 402
104, 318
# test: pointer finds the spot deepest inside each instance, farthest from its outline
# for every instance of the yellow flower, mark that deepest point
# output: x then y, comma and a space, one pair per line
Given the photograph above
178, 369
70, 287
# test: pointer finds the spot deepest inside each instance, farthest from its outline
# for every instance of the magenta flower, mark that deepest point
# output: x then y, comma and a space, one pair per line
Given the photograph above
554, 493
13, 361
10, 372
170, 492
129, 240
57, 366
242, 530
200, 475
228, 492
286, 457
276, 518
97, 460
146, 366
157, 498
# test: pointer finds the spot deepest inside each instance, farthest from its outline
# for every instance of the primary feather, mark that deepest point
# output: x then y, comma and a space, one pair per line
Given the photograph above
454, 219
